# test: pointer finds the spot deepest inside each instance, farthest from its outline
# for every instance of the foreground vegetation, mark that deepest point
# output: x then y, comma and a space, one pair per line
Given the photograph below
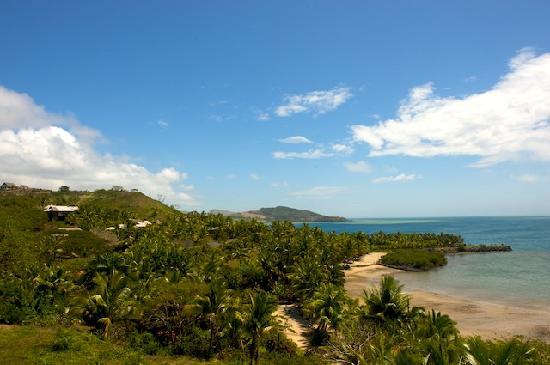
198, 286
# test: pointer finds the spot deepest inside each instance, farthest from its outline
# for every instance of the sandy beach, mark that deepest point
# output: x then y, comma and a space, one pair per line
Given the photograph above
474, 317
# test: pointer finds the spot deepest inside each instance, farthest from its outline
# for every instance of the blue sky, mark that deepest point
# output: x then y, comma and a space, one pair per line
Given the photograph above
419, 108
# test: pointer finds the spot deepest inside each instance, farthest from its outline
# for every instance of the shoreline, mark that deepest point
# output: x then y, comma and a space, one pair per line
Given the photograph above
473, 316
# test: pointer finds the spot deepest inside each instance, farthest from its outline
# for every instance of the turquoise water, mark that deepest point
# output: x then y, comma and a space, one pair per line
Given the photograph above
519, 277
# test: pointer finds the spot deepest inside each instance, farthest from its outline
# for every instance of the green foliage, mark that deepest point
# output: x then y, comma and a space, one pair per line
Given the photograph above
386, 304
207, 286
414, 259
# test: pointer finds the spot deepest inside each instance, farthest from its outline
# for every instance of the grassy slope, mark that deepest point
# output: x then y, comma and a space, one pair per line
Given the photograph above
137, 203
34, 345
23, 224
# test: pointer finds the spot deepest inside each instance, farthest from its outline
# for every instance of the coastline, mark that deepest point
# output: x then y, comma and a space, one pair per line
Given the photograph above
474, 317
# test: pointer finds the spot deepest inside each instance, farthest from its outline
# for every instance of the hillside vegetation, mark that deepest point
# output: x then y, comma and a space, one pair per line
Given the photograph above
167, 294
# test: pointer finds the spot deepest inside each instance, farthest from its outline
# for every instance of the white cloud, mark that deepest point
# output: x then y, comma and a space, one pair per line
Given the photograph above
295, 140
231, 176
510, 121
263, 116
161, 123
316, 102
254, 176
396, 178
469, 79
41, 149
359, 166
281, 184
308, 155
342, 149
527, 178
322, 192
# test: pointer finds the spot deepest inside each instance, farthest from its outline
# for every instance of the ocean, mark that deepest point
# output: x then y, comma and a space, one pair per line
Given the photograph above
520, 277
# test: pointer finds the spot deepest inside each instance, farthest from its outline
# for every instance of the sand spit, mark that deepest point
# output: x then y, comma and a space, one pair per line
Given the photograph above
474, 317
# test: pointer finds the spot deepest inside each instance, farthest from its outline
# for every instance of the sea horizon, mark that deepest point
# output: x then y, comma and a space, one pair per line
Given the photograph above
512, 278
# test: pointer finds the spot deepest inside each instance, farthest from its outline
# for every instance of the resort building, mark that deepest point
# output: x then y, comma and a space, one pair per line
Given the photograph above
7, 186
59, 212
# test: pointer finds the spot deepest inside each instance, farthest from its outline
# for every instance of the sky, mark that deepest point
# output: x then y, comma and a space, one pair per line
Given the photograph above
355, 108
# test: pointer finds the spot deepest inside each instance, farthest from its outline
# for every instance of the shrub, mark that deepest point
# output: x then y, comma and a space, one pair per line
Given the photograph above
145, 342
64, 341
414, 259
276, 341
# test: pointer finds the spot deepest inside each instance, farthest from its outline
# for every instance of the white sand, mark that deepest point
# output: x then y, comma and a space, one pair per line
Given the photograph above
474, 317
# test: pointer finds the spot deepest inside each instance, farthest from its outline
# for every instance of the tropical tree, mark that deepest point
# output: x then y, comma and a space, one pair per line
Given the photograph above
507, 352
211, 307
327, 307
387, 303
258, 321
111, 302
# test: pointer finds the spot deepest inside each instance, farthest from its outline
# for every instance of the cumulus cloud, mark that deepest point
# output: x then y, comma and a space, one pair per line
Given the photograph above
336, 149
358, 167
308, 155
43, 149
161, 123
295, 140
510, 121
254, 176
321, 192
396, 178
343, 149
316, 102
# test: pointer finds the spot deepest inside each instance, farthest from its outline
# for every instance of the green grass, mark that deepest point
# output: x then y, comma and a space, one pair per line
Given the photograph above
414, 259
38, 345
138, 204
46, 345
72, 346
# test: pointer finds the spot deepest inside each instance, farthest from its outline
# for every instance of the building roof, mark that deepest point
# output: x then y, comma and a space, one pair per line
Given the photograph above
60, 208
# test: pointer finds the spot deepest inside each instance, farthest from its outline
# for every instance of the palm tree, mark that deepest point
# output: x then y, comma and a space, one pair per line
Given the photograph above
387, 303
327, 306
211, 307
113, 300
260, 319
508, 352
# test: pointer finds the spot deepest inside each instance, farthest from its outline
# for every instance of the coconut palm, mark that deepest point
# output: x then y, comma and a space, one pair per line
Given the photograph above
259, 320
210, 308
508, 352
327, 306
387, 303
113, 301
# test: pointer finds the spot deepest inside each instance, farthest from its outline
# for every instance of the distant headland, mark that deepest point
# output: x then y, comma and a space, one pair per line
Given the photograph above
281, 213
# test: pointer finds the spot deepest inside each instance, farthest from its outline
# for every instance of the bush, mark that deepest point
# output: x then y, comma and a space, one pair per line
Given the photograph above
145, 342
196, 343
64, 341
276, 341
414, 259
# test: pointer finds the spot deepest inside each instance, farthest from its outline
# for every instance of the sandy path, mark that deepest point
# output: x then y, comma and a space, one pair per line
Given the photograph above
474, 317
296, 327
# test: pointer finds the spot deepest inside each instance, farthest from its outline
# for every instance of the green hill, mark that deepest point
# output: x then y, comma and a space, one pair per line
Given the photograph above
25, 229
282, 213
138, 204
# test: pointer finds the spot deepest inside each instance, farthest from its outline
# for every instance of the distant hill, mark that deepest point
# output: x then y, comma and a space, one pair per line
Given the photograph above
281, 213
